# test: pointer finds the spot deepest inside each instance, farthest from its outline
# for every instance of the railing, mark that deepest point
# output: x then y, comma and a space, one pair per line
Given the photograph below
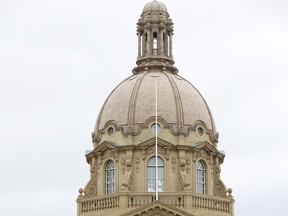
135, 200
173, 199
101, 203
213, 204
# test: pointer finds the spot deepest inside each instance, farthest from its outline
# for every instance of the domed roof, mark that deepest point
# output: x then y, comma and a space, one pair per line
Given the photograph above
131, 105
154, 6
130, 108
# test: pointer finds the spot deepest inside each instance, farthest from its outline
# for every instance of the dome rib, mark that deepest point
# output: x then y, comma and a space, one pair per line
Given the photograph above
178, 103
133, 101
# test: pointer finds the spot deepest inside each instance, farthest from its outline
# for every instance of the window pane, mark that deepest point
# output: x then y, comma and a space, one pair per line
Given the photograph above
161, 185
151, 185
161, 173
151, 174
110, 177
152, 161
201, 178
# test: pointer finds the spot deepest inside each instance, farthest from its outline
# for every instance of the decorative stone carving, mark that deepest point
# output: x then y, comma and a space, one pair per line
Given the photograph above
137, 165
195, 156
90, 189
167, 154
115, 156
204, 154
181, 184
93, 169
126, 179
106, 154
188, 167
130, 184
99, 163
184, 175
173, 162
123, 166
144, 153
219, 188
157, 212
151, 150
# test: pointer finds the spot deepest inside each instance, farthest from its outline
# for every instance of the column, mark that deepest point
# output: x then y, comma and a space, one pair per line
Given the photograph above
149, 42
170, 44
165, 44
160, 42
144, 39
139, 44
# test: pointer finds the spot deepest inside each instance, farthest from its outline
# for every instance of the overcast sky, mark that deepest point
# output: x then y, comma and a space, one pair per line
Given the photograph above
59, 60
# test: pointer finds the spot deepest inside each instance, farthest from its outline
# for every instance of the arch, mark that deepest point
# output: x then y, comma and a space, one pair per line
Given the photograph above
201, 177
155, 43
151, 174
109, 177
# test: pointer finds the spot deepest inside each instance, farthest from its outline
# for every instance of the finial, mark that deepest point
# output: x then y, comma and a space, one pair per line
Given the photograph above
80, 193
230, 193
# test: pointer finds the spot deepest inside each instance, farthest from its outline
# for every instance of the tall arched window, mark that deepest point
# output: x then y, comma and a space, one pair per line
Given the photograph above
110, 177
201, 177
151, 167
155, 43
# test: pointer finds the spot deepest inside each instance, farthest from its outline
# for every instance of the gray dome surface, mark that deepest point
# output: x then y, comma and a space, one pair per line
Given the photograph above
154, 6
132, 104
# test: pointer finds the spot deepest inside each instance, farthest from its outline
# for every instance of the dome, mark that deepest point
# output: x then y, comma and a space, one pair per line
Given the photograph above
131, 105
154, 6
130, 108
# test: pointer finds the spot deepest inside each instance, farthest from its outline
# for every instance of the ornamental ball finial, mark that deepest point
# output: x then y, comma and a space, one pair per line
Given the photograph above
230, 190
81, 191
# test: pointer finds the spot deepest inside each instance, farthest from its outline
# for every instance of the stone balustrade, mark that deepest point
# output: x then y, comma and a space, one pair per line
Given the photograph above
211, 203
173, 199
135, 200
99, 203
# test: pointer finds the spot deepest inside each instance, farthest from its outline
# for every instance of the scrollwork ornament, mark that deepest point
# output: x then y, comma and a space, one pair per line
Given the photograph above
161, 150
219, 189
204, 154
91, 190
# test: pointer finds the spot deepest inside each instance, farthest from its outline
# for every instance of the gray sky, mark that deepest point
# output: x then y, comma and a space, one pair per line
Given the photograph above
59, 60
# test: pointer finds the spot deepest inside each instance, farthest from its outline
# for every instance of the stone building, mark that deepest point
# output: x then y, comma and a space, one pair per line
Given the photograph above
155, 144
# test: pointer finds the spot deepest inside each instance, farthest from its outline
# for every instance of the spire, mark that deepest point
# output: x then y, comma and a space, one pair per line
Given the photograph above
155, 33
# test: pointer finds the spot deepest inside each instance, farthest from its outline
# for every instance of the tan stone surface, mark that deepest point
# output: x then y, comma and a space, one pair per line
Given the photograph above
132, 103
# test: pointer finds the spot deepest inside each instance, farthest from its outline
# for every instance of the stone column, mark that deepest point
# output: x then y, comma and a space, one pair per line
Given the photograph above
144, 43
165, 44
149, 42
160, 42
170, 44
139, 44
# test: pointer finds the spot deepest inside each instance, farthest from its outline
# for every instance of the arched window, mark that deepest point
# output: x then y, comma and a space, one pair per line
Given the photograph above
151, 167
155, 43
201, 177
110, 177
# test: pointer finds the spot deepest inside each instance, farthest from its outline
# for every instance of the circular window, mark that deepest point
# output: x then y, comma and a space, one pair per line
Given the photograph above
155, 128
110, 131
200, 131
